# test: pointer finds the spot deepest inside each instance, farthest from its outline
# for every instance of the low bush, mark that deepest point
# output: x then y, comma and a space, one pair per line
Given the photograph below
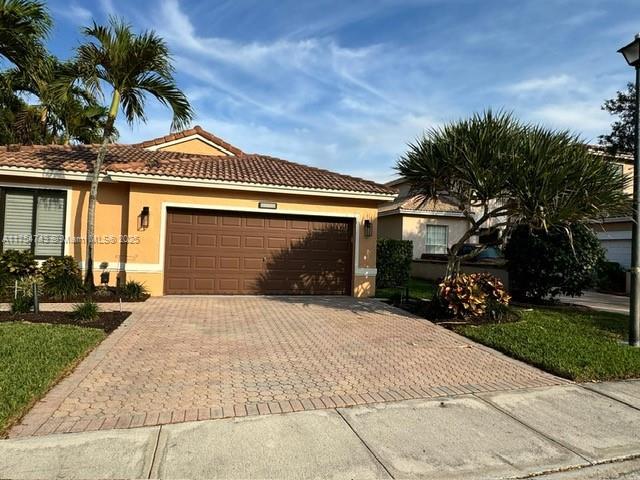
474, 295
17, 264
394, 263
62, 278
544, 264
22, 304
133, 290
611, 277
86, 311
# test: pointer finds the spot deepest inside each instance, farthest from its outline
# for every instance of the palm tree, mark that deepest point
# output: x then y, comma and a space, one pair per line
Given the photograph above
500, 173
24, 24
132, 66
64, 110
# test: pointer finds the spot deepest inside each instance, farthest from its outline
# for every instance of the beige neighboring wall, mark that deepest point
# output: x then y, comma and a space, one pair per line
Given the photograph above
145, 259
193, 146
414, 228
390, 226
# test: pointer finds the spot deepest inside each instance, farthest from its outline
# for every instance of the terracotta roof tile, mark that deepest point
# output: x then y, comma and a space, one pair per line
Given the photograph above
418, 203
197, 130
249, 169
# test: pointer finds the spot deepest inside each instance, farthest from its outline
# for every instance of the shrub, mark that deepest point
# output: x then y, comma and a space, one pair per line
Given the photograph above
86, 312
546, 264
16, 264
611, 277
394, 262
474, 295
61, 277
22, 304
133, 290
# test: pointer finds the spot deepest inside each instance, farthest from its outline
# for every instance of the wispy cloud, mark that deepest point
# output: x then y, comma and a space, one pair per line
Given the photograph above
541, 84
346, 85
75, 13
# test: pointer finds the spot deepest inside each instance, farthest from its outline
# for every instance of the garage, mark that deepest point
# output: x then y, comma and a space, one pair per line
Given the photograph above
216, 252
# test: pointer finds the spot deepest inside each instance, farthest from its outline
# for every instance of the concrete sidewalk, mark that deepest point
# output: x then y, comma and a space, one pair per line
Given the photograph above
605, 302
568, 431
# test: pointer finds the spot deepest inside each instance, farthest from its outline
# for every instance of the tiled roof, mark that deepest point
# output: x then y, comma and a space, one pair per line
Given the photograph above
197, 130
249, 169
420, 204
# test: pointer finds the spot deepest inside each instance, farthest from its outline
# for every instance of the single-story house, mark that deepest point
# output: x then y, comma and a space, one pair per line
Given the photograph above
189, 213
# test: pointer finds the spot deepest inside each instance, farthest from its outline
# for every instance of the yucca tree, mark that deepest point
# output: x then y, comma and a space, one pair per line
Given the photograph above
132, 66
24, 25
499, 172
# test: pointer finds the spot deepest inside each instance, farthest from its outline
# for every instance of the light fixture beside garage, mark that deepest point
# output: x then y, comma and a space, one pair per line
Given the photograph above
368, 228
268, 205
144, 218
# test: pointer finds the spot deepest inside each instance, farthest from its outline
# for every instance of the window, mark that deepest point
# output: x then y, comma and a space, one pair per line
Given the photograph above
33, 220
437, 238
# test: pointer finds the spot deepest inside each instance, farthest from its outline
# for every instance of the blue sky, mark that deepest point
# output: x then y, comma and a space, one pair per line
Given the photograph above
345, 85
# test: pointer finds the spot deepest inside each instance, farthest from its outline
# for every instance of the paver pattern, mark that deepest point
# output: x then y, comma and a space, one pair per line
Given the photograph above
180, 359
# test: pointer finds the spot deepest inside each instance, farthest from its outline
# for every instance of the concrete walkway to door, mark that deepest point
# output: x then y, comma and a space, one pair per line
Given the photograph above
180, 359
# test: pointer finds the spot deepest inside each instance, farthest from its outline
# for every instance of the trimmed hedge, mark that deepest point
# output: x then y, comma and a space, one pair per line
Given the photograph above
394, 263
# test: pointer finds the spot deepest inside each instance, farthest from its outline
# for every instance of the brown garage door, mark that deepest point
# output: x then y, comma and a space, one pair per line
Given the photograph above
210, 252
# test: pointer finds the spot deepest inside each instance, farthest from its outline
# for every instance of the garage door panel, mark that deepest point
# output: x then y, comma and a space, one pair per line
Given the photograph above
182, 218
254, 222
180, 239
202, 262
203, 284
179, 261
233, 241
277, 242
206, 240
254, 264
253, 242
231, 253
229, 263
228, 221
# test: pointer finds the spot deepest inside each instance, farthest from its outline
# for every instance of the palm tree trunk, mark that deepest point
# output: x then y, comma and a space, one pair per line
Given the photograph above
93, 192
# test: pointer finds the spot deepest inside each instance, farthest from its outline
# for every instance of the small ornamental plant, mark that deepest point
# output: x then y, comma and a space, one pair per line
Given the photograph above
474, 295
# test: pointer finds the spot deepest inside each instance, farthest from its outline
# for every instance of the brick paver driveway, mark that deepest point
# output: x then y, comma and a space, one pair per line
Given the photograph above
186, 358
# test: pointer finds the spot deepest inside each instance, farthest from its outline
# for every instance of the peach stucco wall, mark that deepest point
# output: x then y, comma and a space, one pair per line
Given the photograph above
194, 146
135, 253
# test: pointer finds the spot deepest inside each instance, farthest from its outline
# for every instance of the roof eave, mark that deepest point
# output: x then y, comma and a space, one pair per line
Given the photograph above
259, 187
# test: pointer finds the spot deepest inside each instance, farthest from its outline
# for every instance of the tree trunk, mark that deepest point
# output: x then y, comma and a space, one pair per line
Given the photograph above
93, 193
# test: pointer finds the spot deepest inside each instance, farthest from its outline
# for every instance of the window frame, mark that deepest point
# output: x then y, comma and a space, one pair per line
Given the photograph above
446, 239
35, 193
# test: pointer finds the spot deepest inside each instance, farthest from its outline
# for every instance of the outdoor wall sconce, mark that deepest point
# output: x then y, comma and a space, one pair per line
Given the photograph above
368, 228
144, 218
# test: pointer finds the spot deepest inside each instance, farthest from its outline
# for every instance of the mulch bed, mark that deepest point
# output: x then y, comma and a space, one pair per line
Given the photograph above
423, 309
108, 321
84, 298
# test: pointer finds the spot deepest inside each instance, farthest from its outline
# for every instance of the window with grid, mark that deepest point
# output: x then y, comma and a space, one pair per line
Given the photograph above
437, 237
33, 220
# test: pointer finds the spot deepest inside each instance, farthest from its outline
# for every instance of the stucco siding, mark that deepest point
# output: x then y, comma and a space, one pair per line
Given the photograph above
414, 228
390, 226
194, 146
136, 253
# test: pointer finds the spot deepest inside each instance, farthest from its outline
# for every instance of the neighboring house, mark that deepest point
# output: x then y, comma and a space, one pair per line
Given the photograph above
615, 233
433, 227
191, 214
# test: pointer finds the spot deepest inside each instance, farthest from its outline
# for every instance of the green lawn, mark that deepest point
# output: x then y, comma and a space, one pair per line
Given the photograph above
418, 288
33, 357
573, 344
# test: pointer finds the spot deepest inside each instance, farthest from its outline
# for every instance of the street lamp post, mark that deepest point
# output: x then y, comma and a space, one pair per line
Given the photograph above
631, 53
